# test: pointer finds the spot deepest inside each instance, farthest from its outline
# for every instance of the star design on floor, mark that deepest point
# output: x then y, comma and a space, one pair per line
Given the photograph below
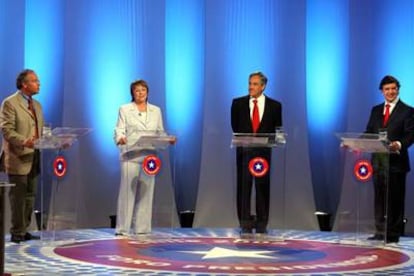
220, 252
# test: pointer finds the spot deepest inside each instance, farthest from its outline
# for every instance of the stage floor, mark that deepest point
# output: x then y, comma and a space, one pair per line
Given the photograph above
202, 252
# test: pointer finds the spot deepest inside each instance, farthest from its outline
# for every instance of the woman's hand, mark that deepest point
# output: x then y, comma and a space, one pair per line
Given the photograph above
122, 141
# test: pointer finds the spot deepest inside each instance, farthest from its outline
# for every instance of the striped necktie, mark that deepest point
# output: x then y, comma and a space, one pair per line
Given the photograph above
32, 110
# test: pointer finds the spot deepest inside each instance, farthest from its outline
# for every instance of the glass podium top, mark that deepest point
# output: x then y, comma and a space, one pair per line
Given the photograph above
60, 137
70, 131
365, 142
147, 140
275, 139
6, 184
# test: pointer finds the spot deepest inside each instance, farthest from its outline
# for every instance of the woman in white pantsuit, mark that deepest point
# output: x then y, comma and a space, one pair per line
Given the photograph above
134, 210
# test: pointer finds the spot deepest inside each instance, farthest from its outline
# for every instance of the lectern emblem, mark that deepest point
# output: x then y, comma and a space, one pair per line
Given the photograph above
59, 166
258, 166
151, 164
363, 170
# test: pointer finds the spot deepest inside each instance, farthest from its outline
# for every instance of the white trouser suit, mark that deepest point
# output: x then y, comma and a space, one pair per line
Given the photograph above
135, 198
134, 208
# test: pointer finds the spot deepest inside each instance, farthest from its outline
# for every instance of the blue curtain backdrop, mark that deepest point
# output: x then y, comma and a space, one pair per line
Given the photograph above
323, 58
184, 92
327, 37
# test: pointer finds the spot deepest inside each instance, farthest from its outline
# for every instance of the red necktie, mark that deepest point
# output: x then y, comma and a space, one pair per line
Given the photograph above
386, 115
32, 110
255, 117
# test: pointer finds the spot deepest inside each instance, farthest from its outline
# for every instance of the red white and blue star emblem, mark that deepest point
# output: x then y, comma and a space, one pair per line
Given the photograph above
363, 170
258, 166
59, 166
228, 256
151, 164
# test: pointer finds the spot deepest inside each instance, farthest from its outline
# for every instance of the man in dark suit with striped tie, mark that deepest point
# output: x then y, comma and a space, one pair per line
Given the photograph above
254, 113
390, 171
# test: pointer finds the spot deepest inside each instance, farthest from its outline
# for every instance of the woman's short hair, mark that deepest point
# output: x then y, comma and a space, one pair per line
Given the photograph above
136, 83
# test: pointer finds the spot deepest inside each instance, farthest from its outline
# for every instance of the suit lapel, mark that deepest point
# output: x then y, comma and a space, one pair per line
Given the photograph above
25, 105
246, 110
37, 108
265, 111
395, 112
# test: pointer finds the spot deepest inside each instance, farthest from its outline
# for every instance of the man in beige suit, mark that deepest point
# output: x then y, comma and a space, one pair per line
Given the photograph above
21, 121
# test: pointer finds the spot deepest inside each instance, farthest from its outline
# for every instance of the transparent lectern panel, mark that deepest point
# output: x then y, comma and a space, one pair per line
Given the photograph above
4, 184
59, 205
259, 184
361, 212
146, 198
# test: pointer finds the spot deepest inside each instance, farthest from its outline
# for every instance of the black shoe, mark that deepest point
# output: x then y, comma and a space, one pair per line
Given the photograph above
376, 237
246, 233
28, 237
16, 238
392, 239
261, 231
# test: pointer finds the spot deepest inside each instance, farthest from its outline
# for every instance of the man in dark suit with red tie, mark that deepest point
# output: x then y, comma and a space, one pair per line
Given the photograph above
390, 171
254, 113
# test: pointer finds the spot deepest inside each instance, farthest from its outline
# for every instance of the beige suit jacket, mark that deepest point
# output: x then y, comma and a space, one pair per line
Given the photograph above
18, 124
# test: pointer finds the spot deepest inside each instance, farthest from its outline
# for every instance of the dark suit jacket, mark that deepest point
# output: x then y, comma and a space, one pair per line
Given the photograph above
240, 116
400, 127
241, 122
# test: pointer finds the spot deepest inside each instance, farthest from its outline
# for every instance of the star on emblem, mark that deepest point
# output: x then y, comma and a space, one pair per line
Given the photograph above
220, 252
258, 167
363, 170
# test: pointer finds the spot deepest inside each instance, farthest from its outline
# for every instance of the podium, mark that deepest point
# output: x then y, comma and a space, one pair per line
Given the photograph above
260, 159
3, 185
148, 169
363, 157
58, 199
